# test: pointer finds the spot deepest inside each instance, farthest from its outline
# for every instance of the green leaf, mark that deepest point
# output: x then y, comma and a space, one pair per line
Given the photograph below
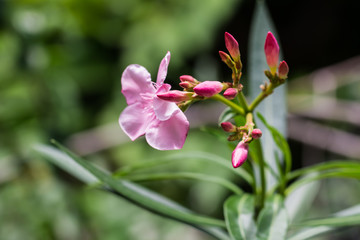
193, 156
135, 193
239, 217
272, 222
341, 164
337, 173
347, 217
226, 115
185, 175
299, 201
280, 141
274, 106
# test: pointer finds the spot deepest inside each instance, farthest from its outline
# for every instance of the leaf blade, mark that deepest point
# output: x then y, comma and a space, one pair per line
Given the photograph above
239, 213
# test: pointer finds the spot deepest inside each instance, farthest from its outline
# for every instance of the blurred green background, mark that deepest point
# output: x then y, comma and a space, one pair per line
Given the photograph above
60, 68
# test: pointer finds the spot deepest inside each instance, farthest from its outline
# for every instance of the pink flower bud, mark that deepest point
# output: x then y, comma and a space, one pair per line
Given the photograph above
188, 78
232, 46
271, 52
283, 70
239, 154
175, 96
230, 93
186, 85
228, 127
208, 88
256, 133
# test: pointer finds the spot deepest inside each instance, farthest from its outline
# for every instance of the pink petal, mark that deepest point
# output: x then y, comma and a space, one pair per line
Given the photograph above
135, 119
164, 109
163, 69
135, 80
169, 134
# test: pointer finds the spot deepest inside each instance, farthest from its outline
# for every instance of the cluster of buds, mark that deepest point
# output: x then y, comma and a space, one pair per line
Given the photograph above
278, 71
194, 90
246, 134
233, 61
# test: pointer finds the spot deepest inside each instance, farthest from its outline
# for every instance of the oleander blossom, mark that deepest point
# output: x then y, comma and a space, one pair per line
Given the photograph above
164, 125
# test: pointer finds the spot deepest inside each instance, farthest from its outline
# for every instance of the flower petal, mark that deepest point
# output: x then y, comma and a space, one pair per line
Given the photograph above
164, 109
135, 119
135, 80
169, 134
163, 69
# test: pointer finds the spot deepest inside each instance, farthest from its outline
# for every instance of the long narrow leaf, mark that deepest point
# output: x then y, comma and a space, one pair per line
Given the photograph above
185, 175
280, 142
197, 156
135, 193
327, 226
274, 106
272, 221
337, 173
324, 166
239, 214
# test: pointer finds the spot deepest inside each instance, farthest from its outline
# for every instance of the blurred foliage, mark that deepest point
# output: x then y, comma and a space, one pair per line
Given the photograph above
60, 68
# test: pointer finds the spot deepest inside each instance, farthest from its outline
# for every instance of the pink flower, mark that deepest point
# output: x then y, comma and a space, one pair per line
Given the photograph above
208, 88
271, 52
239, 154
164, 125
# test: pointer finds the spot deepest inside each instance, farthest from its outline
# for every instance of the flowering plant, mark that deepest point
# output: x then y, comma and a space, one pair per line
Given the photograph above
266, 211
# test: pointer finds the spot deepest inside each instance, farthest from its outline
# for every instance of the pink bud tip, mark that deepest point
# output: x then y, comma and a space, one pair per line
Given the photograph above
230, 93
188, 78
256, 133
283, 70
208, 88
175, 96
271, 52
239, 154
228, 127
232, 46
224, 56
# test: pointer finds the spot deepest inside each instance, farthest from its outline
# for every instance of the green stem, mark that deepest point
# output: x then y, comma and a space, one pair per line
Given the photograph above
261, 96
261, 197
234, 106
243, 101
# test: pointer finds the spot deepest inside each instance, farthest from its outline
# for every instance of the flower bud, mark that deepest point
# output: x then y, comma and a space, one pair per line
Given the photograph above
208, 88
283, 70
232, 46
227, 59
230, 93
256, 133
188, 78
271, 52
239, 154
175, 96
228, 127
